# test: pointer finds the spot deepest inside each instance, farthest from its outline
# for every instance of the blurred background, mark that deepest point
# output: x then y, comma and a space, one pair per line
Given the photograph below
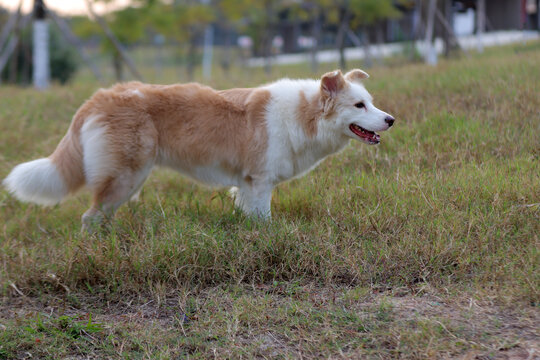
166, 41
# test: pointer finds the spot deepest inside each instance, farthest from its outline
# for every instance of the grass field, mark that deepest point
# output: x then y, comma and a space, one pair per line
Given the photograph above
424, 247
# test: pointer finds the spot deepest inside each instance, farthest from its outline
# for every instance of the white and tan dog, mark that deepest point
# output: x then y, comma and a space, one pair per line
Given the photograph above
251, 139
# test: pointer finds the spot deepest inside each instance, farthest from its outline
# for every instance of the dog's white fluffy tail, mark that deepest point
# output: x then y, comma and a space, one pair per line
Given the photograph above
37, 181
47, 181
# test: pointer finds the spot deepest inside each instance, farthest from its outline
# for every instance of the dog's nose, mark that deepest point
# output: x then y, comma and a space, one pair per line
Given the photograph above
389, 120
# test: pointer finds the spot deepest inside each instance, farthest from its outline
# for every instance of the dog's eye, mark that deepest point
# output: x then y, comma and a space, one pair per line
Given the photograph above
360, 105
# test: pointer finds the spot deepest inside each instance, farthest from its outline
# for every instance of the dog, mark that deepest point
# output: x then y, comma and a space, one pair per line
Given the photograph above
250, 139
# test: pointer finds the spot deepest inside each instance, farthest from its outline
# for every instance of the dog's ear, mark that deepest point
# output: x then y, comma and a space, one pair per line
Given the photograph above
332, 83
356, 75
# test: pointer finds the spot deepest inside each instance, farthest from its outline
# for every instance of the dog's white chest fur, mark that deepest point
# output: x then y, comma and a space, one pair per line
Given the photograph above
291, 152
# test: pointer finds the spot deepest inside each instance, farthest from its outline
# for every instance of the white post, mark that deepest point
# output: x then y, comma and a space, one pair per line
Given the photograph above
480, 24
40, 55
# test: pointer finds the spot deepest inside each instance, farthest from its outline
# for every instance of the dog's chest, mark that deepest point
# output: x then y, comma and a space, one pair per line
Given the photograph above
215, 176
287, 160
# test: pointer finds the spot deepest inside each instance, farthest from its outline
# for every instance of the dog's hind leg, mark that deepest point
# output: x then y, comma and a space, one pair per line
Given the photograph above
111, 193
118, 156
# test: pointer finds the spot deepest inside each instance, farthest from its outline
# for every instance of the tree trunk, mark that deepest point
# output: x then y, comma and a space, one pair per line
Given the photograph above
451, 42
268, 34
316, 35
340, 38
415, 28
159, 56
117, 66
367, 48
480, 24
118, 46
14, 65
208, 48
447, 36
226, 61
190, 64
267, 57
267, 52
27, 62
379, 35
429, 53
14, 61
538, 15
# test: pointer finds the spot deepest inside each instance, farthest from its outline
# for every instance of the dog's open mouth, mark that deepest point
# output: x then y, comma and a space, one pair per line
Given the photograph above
370, 137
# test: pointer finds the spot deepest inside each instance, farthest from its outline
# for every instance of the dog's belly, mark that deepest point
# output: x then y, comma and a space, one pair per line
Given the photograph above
214, 175
287, 170
288, 165
209, 175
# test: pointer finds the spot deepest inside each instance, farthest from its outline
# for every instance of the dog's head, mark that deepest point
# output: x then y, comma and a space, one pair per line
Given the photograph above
349, 107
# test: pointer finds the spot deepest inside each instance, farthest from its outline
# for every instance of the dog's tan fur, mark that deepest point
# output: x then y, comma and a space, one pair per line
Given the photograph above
308, 112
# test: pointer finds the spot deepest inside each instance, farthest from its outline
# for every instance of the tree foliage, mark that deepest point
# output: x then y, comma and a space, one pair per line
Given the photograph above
180, 20
184, 21
367, 12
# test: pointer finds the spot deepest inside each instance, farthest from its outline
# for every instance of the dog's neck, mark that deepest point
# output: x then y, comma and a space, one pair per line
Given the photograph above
311, 148
298, 128
324, 137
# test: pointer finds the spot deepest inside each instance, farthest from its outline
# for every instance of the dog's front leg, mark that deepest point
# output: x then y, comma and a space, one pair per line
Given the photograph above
254, 199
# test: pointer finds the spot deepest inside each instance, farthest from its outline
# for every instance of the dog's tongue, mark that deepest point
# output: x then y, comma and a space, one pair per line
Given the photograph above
370, 136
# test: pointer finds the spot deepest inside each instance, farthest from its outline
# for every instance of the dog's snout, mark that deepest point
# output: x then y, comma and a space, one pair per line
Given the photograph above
389, 120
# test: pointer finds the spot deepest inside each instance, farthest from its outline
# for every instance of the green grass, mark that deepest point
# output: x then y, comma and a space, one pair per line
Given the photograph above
423, 247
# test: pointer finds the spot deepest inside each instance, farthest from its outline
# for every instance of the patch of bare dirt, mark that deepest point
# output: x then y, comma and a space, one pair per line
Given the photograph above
491, 330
